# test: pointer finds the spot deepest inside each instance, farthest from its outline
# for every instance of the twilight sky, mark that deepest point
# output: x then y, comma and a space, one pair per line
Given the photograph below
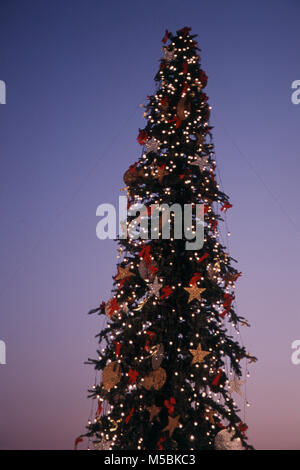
76, 72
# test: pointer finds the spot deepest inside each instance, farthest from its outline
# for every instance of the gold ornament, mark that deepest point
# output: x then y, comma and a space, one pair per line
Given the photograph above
111, 375
172, 425
194, 292
123, 273
154, 412
155, 379
198, 354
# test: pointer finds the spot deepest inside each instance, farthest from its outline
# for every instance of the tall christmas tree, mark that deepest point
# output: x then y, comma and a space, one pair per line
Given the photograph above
168, 354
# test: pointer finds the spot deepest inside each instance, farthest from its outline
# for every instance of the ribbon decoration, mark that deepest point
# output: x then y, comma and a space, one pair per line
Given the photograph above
160, 442
176, 120
151, 335
77, 441
203, 257
166, 36
170, 405
167, 290
128, 418
133, 375
99, 409
226, 206
145, 254
195, 278
118, 348
228, 299
142, 137
217, 378
112, 307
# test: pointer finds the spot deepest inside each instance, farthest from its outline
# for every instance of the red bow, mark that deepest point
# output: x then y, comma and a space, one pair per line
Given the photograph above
226, 206
99, 409
113, 307
142, 137
159, 443
127, 419
76, 442
242, 427
151, 335
118, 348
176, 120
166, 36
195, 278
167, 290
228, 299
217, 378
185, 30
133, 375
203, 257
170, 405
185, 67
145, 253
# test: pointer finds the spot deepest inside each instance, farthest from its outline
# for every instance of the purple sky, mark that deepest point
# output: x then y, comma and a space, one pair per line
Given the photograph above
76, 72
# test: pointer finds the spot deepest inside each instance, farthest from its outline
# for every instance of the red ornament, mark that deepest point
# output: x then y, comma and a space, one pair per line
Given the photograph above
133, 375
112, 307
226, 206
169, 404
128, 418
185, 67
99, 409
118, 348
145, 254
203, 257
77, 441
142, 137
167, 290
195, 278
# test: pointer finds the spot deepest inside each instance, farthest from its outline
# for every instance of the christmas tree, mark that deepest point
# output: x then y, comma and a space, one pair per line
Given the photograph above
170, 369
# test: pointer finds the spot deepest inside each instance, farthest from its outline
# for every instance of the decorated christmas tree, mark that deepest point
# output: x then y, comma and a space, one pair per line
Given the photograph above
169, 358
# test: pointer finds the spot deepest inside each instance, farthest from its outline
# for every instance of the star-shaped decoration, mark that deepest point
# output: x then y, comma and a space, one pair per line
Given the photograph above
154, 412
123, 273
194, 292
152, 145
169, 55
172, 425
235, 385
198, 354
201, 162
155, 287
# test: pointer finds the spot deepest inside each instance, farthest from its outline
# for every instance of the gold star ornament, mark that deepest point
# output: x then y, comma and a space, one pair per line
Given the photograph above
153, 412
194, 292
172, 425
123, 273
198, 354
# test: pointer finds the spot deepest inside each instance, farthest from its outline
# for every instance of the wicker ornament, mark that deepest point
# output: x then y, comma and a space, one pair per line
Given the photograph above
155, 380
224, 441
157, 356
111, 375
132, 176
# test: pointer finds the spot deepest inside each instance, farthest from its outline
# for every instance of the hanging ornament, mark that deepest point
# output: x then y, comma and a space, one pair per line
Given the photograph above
172, 425
224, 441
157, 356
235, 385
200, 162
155, 379
194, 292
198, 354
111, 375
152, 145
154, 288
